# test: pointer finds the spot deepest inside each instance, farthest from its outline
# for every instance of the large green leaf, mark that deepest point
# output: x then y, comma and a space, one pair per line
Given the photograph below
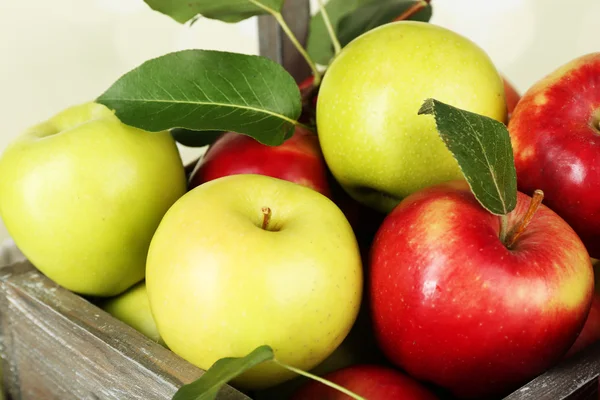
372, 15
208, 385
224, 10
482, 147
205, 90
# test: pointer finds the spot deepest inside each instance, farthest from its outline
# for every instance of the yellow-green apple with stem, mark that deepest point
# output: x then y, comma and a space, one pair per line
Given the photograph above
373, 140
248, 260
82, 194
133, 308
555, 134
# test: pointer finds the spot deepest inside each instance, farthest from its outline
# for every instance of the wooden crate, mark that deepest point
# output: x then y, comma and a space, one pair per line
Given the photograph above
58, 345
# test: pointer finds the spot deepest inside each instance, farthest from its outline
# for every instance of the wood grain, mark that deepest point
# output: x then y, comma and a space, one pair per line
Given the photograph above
57, 345
274, 44
573, 379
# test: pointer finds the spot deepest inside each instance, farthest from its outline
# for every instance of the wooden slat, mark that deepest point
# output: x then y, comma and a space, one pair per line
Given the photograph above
274, 44
57, 345
573, 379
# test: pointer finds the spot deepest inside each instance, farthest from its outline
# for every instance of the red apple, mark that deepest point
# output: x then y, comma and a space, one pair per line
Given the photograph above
452, 305
512, 97
590, 333
298, 159
555, 133
373, 382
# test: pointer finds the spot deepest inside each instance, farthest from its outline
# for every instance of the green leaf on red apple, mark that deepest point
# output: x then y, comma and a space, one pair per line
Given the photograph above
191, 138
224, 370
205, 90
372, 15
482, 147
224, 10
348, 22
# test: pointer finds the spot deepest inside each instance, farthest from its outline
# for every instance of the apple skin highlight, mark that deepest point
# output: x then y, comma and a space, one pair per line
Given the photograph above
298, 159
453, 306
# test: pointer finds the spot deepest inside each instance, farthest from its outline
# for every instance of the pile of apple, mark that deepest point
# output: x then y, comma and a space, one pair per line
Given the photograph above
358, 253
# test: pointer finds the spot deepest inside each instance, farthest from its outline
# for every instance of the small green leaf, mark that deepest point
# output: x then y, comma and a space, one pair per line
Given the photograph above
208, 385
190, 138
224, 10
370, 16
482, 147
205, 90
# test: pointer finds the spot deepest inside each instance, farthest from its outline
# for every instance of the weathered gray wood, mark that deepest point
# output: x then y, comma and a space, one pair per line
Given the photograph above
57, 345
573, 379
274, 44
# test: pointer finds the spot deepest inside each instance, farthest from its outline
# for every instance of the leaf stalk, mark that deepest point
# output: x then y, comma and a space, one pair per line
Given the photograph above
286, 29
415, 8
319, 379
334, 39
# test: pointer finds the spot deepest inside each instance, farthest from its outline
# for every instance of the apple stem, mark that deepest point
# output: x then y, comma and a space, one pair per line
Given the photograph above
536, 200
415, 8
266, 211
319, 379
503, 227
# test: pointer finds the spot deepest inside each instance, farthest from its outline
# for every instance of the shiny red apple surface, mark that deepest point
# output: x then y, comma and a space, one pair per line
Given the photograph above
298, 159
373, 382
452, 305
555, 133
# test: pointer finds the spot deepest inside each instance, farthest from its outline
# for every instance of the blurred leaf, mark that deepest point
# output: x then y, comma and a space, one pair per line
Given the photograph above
370, 16
319, 45
208, 385
482, 147
191, 138
224, 10
204, 90
352, 18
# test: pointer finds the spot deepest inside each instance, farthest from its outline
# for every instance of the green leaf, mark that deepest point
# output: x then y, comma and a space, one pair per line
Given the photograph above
482, 147
318, 44
205, 90
352, 18
208, 385
224, 10
190, 138
370, 16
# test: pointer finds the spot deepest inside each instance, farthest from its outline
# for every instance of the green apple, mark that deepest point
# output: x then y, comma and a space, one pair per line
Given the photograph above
82, 194
249, 260
133, 308
373, 140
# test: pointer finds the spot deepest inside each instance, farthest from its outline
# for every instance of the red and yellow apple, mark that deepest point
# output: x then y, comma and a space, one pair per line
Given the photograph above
590, 334
511, 96
555, 133
452, 305
373, 382
298, 159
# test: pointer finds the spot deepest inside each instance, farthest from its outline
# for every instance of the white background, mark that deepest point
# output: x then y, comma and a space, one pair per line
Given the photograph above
57, 53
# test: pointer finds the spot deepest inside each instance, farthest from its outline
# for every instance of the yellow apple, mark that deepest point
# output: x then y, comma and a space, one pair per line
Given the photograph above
82, 193
133, 308
250, 260
373, 140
